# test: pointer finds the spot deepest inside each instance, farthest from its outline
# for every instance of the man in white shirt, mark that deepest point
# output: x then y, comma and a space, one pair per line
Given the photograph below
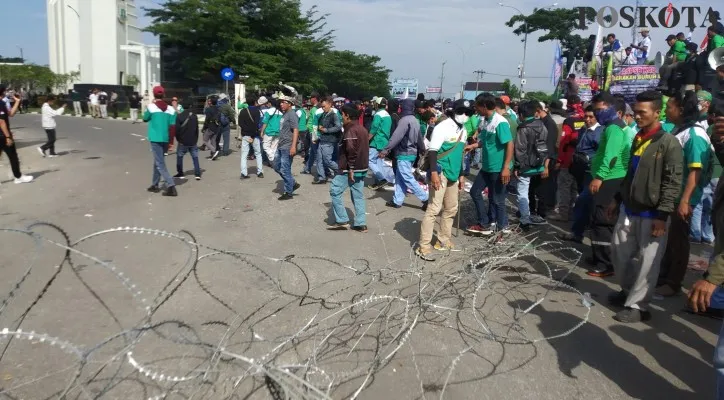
93, 103
643, 48
48, 122
630, 57
445, 156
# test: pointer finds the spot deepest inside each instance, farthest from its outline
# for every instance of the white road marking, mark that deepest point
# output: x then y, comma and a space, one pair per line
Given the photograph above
95, 127
137, 135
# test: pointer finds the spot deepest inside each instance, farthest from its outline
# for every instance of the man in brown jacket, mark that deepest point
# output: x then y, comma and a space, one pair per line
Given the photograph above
353, 163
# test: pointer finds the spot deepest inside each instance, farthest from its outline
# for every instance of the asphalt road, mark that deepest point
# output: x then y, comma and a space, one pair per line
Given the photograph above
233, 294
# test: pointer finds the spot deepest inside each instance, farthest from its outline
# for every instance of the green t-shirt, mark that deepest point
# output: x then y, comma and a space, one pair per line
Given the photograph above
667, 126
472, 125
608, 162
678, 50
494, 137
630, 135
697, 153
715, 42
272, 119
380, 130
302, 115
423, 125
312, 119
513, 122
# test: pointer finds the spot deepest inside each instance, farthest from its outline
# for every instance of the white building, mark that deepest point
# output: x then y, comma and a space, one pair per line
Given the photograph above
102, 40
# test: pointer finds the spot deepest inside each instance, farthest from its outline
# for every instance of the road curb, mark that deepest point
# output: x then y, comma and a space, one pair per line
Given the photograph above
111, 118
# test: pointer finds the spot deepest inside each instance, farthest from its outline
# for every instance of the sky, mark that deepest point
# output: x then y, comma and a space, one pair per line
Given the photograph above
410, 36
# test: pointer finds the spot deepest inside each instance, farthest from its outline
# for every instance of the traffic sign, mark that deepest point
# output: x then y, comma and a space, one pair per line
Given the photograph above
227, 74
522, 81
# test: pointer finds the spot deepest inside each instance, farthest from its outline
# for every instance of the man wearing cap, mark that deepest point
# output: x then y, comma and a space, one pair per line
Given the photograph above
287, 146
677, 53
513, 115
225, 128
643, 47
313, 142
379, 137
7, 143
444, 156
160, 117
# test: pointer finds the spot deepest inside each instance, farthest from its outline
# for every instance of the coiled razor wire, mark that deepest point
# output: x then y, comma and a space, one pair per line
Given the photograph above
332, 334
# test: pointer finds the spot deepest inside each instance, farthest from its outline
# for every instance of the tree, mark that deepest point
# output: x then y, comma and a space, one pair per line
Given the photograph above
538, 96
30, 76
511, 89
132, 80
271, 41
557, 24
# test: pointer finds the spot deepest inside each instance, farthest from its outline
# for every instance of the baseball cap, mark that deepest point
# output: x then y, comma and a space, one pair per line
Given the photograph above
159, 91
703, 95
223, 96
262, 100
380, 101
420, 104
505, 99
462, 106
644, 29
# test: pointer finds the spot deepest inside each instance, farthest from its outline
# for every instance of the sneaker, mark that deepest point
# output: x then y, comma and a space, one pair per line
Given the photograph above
537, 220
170, 192
198, 177
180, 175
392, 204
360, 228
424, 205
525, 227
305, 172
569, 237
286, 196
296, 186
425, 255
506, 231
153, 189
379, 185
52, 156
215, 155
667, 291
165, 154
41, 151
475, 229
244, 176
632, 315
24, 179
558, 217
319, 182
617, 299
600, 272
338, 226
260, 175
444, 247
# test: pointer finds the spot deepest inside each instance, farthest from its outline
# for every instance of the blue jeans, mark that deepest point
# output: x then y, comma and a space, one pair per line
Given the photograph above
404, 179
379, 169
181, 151
283, 166
701, 226
159, 165
496, 195
256, 144
325, 162
226, 135
311, 156
719, 365
523, 200
340, 183
582, 209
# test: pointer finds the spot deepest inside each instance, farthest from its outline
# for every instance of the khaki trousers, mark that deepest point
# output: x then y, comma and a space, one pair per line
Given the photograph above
445, 200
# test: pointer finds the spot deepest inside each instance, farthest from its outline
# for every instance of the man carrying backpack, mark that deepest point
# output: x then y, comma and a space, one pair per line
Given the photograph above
226, 118
531, 161
212, 128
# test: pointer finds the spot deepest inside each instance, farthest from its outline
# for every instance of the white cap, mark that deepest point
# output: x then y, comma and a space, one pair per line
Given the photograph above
543, 105
262, 100
223, 96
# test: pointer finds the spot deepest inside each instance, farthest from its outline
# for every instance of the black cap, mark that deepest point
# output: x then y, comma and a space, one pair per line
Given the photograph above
420, 104
462, 106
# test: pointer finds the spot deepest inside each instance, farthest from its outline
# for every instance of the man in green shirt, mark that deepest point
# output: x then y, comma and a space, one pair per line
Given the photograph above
608, 171
311, 143
472, 128
379, 137
715, 40
677, 53
496, 142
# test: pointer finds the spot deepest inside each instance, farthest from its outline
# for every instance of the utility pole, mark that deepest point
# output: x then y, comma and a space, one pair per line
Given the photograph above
442, 78
479, 73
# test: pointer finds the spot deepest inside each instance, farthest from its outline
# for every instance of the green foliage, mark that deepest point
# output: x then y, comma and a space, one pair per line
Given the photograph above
268, 40
511, 89
31, 76
538, 96
132, 80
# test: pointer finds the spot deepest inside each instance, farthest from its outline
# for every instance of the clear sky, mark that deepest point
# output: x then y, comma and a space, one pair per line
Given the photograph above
409, 35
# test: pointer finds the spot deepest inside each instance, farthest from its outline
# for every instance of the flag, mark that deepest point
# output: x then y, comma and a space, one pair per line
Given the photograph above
598, 48
406, 94
557, 69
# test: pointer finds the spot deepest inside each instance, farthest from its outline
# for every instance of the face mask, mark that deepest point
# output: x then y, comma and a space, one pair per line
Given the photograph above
461, 119
699, 106
606, 116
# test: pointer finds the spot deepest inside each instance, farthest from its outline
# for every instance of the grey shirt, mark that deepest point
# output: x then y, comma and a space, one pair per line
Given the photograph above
289, 122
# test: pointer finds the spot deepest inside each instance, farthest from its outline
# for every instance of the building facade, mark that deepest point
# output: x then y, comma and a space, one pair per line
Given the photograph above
102, 40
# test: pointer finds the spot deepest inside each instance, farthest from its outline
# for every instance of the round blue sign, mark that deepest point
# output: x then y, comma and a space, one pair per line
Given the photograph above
227, 74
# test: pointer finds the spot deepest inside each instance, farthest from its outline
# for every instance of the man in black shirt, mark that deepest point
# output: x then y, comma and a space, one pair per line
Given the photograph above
187, 135
7, 144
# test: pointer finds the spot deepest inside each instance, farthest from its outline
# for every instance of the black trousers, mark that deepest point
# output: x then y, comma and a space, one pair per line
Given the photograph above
676, 257
12, 154
50, 145
537, 192
601, 225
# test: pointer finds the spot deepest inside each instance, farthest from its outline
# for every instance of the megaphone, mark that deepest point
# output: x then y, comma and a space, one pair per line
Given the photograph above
659, 60
716, 58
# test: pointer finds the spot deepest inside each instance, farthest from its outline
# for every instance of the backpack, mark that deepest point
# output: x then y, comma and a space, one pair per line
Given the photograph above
223, 119
537, 152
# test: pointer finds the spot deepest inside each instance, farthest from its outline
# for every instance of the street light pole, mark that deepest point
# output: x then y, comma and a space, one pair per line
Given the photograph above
22, 57
442, 78
479, 75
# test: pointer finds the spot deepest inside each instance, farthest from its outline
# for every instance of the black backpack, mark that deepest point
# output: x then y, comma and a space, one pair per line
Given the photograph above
537, 151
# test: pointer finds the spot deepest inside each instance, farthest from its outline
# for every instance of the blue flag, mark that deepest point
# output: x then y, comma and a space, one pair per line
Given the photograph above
557, 69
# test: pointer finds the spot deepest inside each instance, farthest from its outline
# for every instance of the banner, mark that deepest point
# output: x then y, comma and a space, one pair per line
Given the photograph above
634, 79
557, 69
584, 88
433, 89
402, 86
